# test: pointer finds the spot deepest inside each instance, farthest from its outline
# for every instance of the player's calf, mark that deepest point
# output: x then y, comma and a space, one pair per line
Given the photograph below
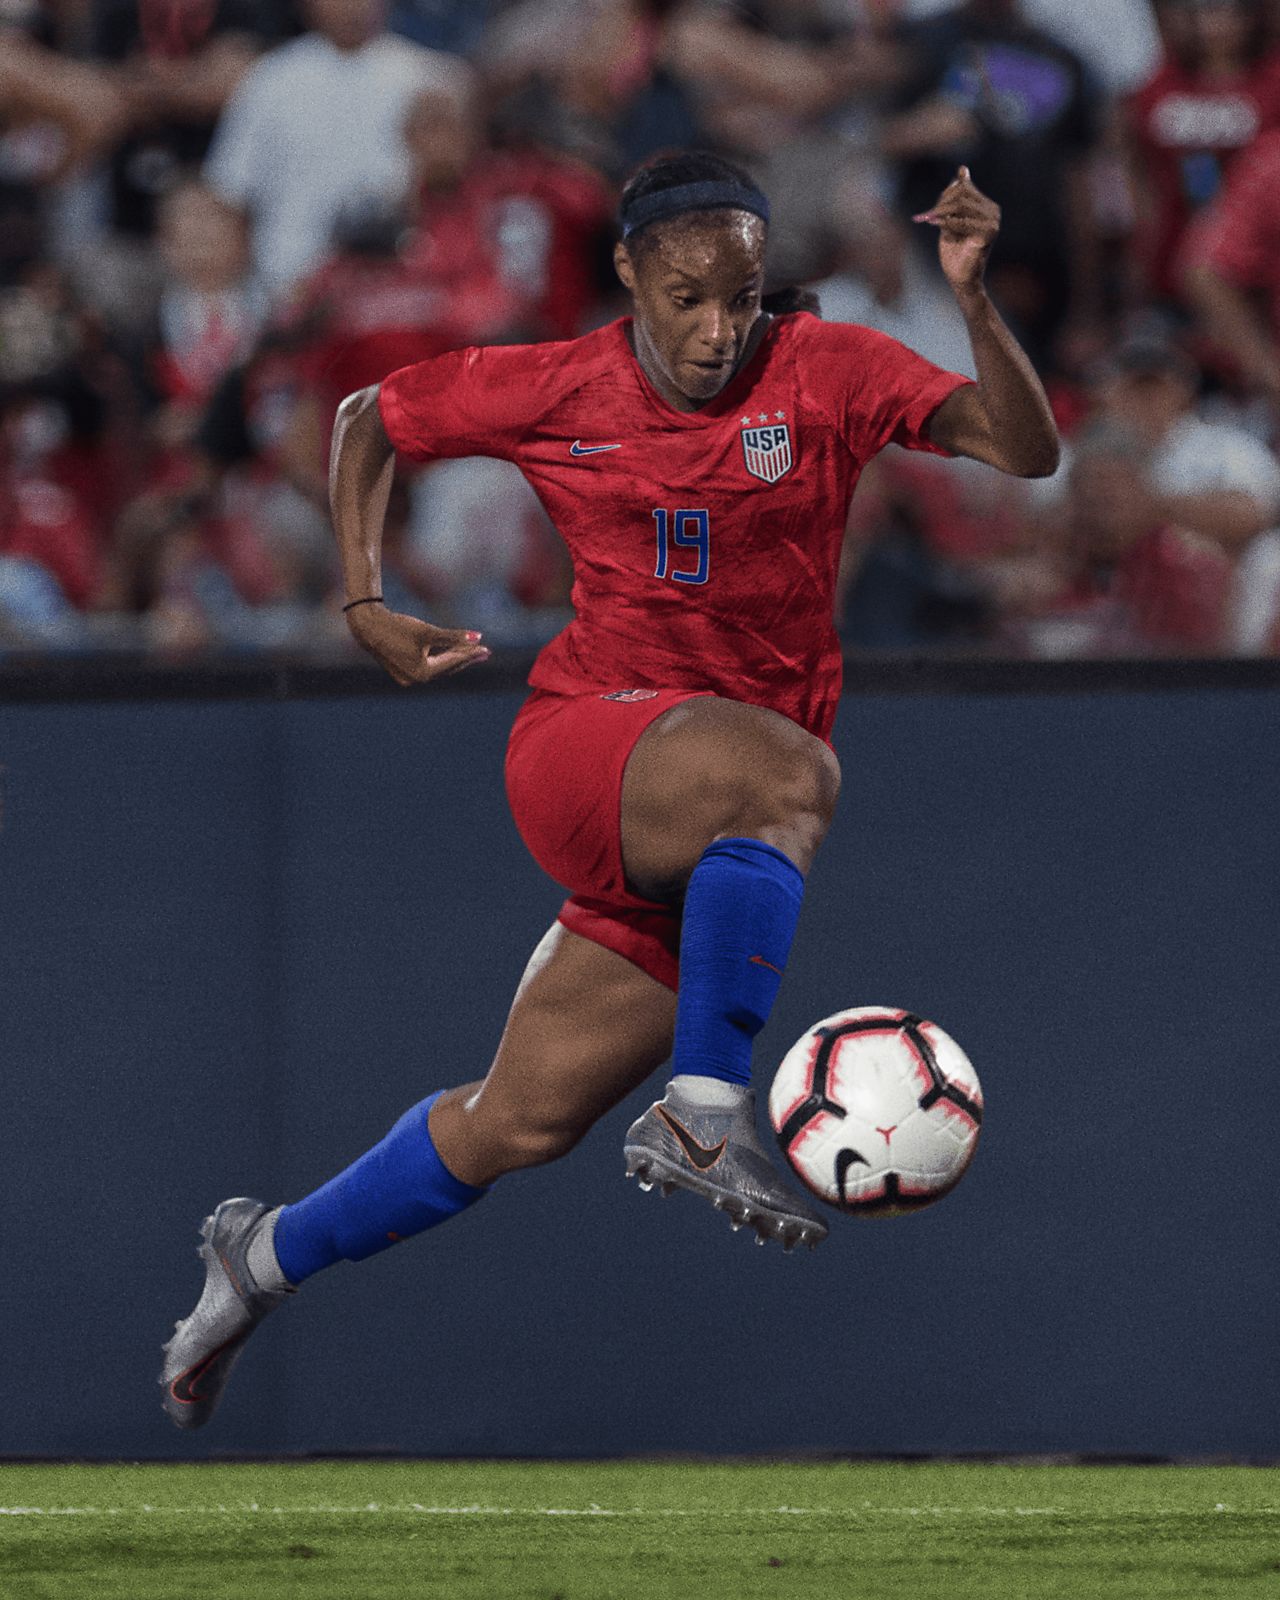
756, 794
734, 801
486, 1135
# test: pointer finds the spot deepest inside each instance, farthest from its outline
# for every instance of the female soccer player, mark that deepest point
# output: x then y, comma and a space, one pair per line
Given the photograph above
671, 766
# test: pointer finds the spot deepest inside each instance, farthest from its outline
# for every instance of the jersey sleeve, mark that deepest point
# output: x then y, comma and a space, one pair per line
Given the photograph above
480, 401
878, 391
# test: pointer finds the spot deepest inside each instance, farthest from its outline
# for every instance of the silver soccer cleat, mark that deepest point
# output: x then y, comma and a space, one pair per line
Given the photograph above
199, 1358
716, 1153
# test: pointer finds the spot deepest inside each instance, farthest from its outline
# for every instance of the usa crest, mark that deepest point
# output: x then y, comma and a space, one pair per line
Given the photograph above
767, 449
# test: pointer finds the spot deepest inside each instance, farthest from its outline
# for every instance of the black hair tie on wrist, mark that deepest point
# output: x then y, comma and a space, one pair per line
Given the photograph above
369, 600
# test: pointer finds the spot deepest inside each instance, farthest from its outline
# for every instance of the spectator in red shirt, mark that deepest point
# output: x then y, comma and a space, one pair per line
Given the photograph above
1113, 581
1139, 545
500, 245
1216, 91
41, 518
1230, 266
511, 234
65, 457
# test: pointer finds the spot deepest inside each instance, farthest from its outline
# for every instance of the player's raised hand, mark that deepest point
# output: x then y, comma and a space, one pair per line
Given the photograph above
967, 222
411, 650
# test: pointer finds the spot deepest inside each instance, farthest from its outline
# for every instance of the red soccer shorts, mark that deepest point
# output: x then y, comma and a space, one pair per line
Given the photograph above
565, 761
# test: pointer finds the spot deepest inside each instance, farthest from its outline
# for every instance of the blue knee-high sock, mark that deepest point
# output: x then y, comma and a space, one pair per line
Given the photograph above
399, 1188
740, 913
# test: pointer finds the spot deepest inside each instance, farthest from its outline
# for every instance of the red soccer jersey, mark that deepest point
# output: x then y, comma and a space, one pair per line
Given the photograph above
1239, 235
1168, 592
1190, 131
704, 543
512, 245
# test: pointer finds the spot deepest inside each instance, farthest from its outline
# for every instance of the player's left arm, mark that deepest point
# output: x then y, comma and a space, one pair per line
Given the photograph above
1005, 418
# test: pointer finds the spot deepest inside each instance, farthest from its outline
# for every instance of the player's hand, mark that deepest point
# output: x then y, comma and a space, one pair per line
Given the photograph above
413, 651
968, 224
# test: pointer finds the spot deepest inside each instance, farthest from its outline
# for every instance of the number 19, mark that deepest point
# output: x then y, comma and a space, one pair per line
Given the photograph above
683, 530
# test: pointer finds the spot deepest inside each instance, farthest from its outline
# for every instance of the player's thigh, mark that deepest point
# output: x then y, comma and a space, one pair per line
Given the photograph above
585, 1028
713, 767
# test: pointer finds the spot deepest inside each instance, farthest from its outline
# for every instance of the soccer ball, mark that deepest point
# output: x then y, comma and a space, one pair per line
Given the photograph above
877, 1110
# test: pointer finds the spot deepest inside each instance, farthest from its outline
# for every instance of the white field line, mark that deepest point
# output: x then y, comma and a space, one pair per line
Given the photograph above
413, 1508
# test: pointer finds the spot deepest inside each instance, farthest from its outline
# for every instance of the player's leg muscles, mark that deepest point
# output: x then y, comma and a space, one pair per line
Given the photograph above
586, 1027
726, 804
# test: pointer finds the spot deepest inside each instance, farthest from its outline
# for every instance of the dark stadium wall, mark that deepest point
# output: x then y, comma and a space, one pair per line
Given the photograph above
237, 939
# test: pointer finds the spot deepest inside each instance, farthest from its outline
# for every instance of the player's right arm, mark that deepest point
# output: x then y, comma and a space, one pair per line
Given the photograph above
361, 465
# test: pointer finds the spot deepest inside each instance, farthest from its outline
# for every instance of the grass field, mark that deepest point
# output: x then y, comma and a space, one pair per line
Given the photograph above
651, 1530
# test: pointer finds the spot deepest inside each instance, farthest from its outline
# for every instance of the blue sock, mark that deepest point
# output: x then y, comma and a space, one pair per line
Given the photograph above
399, 1188
740, 915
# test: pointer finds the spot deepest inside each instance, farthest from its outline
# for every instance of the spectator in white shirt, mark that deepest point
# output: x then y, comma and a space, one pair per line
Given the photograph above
314, 130
1139, 541
1211, 479
1212, 485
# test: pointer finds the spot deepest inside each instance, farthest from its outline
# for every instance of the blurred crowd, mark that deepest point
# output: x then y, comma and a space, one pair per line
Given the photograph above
218, 217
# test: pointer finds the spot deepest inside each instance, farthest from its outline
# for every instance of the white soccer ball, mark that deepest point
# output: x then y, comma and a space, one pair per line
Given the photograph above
877, 1110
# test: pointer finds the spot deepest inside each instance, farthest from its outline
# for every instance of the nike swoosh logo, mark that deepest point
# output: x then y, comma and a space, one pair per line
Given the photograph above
183, 1388
844, 1160
759, 961
577, 448
699, 1154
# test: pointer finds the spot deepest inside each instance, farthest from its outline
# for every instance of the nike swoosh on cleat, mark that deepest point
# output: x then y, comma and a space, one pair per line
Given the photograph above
183, 1388
577, 448
699, 1154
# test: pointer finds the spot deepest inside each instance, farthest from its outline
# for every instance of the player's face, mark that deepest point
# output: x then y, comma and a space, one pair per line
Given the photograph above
696, 285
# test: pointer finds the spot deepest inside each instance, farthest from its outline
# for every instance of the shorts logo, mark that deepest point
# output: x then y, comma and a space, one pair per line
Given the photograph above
630, 695
767, 449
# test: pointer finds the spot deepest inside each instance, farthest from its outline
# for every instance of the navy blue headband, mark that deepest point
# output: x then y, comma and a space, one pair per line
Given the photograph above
708, 195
